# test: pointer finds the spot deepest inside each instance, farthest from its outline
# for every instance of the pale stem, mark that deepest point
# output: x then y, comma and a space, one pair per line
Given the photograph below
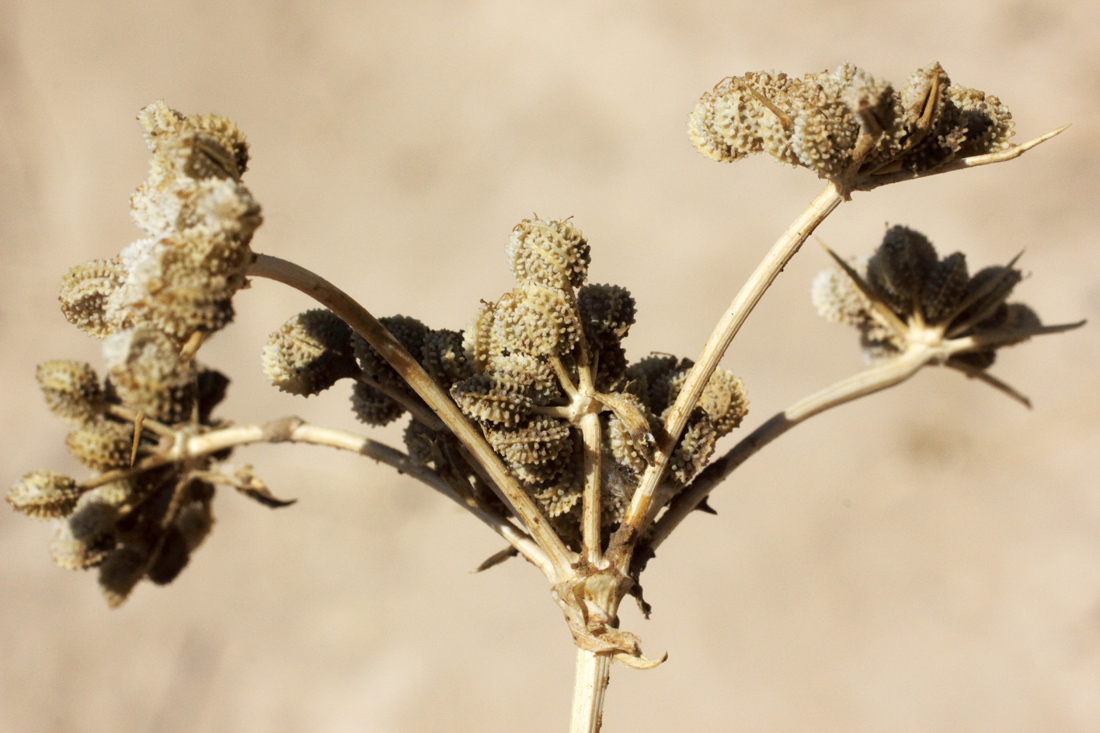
293, 430
592, 503
590, 685
782, 251
592, 434
872, 380
367, 326
1011, 152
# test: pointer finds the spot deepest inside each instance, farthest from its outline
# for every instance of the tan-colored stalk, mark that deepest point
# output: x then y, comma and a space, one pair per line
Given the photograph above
589, 688
367, 326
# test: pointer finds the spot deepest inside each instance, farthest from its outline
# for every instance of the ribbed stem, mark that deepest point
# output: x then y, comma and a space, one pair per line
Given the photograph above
589, 688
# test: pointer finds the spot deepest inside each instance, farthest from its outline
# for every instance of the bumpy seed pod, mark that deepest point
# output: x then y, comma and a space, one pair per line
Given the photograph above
562, 493
534, 475
92, 517
900, 267
420, 442
79, 554
84, 293
445, 359
71, 389
171, 559
374, 407
309, 353
824, 121
837, 299
523, 373
906, 277
725, 125
559, 498
944, 288
649, 378
610, 366
211, 386
549, 319
477, 339
607, 312
119, 572
482, 399
627, 444
147, 374
102, 444
694, 449
116, 493
725, 401
410, 332
194, 522
538, 441
987, 122
619, 483
550, 253
987, 290
44, 494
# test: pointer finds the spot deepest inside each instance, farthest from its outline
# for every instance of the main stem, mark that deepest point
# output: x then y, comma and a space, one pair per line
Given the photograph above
590, 686
641, 508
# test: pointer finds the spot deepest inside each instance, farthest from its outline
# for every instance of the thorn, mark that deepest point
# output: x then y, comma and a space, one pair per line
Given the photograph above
138, 421
496, 559
705, 507
997, 384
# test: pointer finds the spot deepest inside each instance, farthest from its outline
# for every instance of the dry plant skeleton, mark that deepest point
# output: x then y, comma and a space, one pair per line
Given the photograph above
533, 419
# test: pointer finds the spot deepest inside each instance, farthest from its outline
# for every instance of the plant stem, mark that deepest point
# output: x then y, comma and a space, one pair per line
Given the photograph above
367, 326
590, 685
293, 430
641, 507
1010, 153
867, 382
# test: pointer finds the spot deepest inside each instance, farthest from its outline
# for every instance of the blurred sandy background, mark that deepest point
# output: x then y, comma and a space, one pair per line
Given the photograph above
927, 559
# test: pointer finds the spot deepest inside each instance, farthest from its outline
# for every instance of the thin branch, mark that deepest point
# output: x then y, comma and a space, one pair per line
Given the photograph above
293, 430
367, 326
1013, 151
873, 380
641, 506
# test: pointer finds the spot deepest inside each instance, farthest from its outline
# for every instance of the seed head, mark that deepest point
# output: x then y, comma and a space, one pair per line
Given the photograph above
71, 389
309, 353
44, 494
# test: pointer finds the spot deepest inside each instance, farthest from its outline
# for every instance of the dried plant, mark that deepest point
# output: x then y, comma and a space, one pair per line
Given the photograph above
532, 418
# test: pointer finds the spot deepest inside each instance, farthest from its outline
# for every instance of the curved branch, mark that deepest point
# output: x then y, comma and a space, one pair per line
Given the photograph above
367, 326
293, 430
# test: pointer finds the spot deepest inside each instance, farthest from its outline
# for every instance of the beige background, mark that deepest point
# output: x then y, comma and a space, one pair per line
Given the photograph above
927, 559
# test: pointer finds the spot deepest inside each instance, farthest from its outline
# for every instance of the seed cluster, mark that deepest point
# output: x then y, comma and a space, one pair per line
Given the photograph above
905, 290
131, 521
540, 350
142, 514
523, 370
847, 126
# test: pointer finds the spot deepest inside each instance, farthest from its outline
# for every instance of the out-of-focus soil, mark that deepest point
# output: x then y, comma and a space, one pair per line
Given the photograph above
926, 559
